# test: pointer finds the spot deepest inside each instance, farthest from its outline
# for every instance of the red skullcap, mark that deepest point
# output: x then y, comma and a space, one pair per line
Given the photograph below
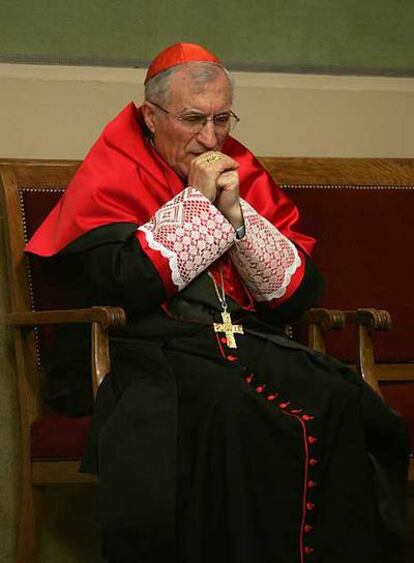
178, 54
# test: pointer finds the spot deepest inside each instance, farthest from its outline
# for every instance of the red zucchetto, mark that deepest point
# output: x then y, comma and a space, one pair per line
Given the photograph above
178, 54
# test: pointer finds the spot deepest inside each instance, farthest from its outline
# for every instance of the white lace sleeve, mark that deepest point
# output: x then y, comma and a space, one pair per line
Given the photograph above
190, 233
265, 258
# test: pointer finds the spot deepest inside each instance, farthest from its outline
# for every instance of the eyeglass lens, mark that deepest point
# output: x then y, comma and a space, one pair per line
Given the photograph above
225, 121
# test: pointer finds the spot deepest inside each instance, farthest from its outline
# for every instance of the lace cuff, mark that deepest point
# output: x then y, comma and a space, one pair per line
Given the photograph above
265, 258
187, 233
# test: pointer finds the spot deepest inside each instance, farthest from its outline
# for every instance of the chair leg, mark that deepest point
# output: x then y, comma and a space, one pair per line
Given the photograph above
27, 539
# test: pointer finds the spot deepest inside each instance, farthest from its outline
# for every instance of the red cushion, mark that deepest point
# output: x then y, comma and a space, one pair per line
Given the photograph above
366, 238
400, 396
59, 437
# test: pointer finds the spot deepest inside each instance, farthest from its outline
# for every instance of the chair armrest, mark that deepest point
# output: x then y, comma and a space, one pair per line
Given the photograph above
327, 319
101, 318
107, 317
372, 319
319, 321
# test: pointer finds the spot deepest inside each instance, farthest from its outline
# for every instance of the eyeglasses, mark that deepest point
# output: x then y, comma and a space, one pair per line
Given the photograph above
194, 122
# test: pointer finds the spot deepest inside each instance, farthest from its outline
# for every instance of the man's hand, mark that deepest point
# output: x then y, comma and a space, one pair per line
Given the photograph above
215, 175
228, 200
205, 171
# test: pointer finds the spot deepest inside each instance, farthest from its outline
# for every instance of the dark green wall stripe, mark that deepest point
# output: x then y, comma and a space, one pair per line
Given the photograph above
346, 36
238, 66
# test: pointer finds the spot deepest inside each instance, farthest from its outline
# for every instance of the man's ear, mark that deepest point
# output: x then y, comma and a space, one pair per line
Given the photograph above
148, 113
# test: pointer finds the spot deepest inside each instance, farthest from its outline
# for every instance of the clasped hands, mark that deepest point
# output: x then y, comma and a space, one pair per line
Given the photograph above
215, 175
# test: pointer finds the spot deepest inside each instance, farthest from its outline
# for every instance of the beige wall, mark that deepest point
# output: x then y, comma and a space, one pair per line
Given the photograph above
57, 112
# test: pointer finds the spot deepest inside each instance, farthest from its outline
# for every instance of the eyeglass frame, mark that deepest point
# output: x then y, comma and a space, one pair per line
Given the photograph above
206, 118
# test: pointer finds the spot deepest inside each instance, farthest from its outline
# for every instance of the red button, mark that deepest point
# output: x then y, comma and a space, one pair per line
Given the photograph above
312, 484
260, 388
313, 461
309, 550
272, 397
231, 358
312, 439
308, 528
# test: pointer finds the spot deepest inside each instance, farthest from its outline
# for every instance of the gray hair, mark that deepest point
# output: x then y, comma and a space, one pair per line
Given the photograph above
157, 89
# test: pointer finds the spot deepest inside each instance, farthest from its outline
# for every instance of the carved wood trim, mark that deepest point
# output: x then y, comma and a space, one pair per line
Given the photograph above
352, 171
319, 321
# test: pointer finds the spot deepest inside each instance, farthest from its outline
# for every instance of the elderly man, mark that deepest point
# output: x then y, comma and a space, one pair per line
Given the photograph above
215, 438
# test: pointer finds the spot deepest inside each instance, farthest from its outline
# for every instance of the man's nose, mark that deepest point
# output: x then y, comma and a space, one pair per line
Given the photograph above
207, 135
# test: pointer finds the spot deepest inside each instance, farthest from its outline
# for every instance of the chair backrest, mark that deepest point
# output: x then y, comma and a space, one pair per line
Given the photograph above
29, 190
362, 213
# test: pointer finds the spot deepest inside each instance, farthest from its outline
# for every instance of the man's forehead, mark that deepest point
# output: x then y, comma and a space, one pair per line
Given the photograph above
188, 92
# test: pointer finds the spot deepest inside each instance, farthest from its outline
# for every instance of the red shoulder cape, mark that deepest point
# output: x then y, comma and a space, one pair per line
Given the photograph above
123, 179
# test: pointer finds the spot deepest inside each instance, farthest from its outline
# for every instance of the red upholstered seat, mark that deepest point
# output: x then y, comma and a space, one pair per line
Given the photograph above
59, 437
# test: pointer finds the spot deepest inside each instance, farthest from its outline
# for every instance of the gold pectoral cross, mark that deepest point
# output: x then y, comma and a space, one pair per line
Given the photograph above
229, 329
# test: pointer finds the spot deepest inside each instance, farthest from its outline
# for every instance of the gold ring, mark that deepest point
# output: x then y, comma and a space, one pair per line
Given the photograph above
212, 158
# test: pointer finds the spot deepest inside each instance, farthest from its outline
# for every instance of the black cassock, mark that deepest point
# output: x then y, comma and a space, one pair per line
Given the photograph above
270, 453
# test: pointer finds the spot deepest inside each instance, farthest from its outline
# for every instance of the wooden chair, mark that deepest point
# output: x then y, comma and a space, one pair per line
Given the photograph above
17, 181
29, 189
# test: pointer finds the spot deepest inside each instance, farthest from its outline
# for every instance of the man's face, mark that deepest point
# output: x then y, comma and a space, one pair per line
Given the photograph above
172, 138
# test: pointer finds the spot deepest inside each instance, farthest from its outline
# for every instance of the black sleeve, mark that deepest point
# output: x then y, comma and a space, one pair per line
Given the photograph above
307, 295
108, 267
104, 267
